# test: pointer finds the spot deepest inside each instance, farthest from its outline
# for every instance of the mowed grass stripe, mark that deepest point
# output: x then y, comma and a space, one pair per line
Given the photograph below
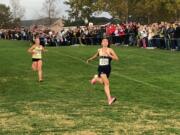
120, 75
67, 104
115, 72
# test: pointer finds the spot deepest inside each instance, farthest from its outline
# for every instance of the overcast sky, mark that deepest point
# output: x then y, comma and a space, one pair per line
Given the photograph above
34, 7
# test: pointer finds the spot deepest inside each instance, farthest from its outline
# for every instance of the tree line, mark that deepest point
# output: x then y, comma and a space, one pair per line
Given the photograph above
11, 16
137, 10
146, 11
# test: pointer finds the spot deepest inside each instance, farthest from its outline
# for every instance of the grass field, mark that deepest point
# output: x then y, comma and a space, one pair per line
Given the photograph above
145, 82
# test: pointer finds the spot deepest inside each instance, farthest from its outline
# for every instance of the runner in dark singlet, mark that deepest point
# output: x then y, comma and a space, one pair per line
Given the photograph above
105, 54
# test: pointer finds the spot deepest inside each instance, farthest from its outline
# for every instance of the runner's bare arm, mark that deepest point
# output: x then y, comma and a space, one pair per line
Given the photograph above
113, 55
93, 57
30, 50
44, 49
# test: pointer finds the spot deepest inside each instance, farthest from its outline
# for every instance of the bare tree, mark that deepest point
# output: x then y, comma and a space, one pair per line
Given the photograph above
16, 9
51, 10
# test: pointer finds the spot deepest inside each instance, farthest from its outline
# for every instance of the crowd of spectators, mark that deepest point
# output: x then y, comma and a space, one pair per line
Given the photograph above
157, 35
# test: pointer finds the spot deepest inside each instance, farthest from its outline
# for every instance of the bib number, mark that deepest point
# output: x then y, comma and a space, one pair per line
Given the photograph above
38, 52
104, 62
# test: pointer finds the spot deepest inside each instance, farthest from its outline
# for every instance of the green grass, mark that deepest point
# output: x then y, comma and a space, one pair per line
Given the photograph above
145, 82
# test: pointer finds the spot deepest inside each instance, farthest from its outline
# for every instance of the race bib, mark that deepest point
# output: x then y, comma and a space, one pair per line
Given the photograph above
104, 62
38, 52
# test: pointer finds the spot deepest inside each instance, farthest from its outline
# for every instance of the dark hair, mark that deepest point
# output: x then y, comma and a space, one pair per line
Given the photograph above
36, 36
109, 44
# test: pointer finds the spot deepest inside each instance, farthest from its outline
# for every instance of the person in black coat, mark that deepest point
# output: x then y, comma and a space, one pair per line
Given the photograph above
177, 37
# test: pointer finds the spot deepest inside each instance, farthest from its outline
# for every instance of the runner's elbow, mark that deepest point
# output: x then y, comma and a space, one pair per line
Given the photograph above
116, 58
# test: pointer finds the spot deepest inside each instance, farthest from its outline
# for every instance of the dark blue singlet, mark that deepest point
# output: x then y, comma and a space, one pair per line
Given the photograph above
104, 65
